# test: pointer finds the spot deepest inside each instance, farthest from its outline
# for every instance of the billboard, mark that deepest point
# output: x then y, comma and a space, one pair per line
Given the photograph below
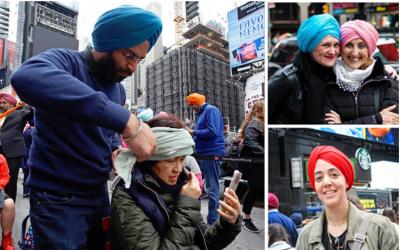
246, 33
44, 39
382, 135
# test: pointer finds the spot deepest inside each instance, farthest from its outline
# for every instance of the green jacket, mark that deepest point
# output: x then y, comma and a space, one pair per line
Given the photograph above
134, 230
381, 234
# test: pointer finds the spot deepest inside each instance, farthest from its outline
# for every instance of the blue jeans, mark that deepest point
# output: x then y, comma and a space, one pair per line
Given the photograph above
211, 173
68, 222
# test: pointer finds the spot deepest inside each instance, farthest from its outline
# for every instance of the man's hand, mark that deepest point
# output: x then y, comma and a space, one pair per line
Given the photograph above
144, 144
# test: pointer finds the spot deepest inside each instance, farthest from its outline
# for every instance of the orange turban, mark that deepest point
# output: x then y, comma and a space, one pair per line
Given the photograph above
195, 99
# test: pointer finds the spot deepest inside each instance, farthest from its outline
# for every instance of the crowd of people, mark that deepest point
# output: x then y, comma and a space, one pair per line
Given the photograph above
73, 130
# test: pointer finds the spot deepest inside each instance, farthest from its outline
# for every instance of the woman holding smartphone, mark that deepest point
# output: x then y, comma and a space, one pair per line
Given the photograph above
331, 173
156, 205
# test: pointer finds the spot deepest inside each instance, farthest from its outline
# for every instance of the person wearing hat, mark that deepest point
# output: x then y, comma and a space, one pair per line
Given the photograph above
12, 144
296, 93
78, 99
208, 135
363, 93
156, 204
274, 216
331, 174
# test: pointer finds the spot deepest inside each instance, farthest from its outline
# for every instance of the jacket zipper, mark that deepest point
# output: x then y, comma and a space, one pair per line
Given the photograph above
154, 192
202, 236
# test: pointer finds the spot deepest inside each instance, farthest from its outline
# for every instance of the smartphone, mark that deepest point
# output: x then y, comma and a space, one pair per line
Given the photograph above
235, 180
185, 172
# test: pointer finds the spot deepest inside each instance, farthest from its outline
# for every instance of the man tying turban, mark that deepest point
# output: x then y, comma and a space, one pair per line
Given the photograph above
79, 111
296, 93
209, 140
340, 225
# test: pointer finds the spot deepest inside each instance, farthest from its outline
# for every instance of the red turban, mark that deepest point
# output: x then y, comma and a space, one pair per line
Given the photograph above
9, 98
333, 156
195, 99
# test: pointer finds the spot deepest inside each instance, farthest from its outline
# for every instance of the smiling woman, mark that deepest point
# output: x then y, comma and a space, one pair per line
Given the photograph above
331, 173
363, 93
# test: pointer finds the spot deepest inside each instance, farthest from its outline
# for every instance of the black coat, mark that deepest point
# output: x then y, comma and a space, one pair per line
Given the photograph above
377, 92
253, 142
11, 133
296, 93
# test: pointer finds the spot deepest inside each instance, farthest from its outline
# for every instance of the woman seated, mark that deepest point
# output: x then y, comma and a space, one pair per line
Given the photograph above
341, 224
156, 205
363, 93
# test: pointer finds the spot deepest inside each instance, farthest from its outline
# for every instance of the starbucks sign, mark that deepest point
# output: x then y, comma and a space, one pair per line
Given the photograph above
363, 158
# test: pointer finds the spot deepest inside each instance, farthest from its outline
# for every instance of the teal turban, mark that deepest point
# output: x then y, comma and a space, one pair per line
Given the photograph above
125, 27
314, 29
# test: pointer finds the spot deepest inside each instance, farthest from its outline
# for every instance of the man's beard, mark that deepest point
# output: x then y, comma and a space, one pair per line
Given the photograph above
107, 70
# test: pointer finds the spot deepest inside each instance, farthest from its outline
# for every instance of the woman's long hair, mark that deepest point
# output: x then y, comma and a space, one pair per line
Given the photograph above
257, 112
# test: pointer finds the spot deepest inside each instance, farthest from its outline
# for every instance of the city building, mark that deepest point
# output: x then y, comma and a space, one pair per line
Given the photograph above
44, 25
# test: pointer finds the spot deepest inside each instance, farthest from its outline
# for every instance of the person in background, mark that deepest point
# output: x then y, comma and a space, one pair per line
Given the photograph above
11, 138
7, 208
278, 238
331, 174
274, 216
24, 164
252, 134
389, 212
156, 206
78, 101
208, 135
297, 218
191, 164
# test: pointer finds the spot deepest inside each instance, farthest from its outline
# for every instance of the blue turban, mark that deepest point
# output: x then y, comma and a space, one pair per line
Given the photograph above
316, 28
125, 27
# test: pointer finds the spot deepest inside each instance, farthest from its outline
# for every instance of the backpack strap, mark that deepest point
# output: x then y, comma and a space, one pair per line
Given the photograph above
360, 236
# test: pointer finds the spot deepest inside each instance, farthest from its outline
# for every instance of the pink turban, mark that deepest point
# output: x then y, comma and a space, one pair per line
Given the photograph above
9, 98
352, 30
333, 156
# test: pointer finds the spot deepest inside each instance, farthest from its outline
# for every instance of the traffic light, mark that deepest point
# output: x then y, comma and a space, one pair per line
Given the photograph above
192, 9
325, 8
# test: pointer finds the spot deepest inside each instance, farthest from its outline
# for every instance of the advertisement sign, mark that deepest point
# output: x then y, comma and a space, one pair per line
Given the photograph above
246, 33
254, 90
382, 135
10, 55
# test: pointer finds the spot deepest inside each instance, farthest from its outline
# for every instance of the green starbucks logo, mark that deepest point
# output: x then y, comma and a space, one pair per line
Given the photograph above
363, 158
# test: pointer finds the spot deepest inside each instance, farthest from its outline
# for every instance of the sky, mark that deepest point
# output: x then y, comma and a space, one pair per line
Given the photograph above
90, 10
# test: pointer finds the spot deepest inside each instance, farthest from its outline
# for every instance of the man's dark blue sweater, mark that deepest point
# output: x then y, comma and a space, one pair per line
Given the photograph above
76, 118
